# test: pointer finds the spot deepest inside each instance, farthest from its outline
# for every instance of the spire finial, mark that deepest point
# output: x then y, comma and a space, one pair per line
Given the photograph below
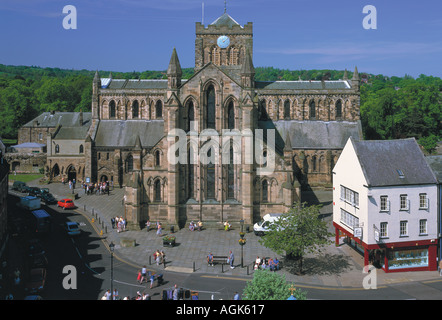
225, 6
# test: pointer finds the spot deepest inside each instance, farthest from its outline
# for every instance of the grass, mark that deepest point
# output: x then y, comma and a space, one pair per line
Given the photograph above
25, 177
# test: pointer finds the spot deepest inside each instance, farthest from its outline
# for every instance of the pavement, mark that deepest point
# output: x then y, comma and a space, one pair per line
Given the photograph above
334, 267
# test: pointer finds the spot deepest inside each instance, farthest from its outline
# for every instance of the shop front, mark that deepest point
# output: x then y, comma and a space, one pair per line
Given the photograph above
393, 257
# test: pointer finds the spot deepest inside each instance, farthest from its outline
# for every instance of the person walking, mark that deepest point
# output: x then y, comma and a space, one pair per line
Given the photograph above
152, 279
159, 229
147, 225
236, 296
143, 274
210, 259
231, 259
163, 259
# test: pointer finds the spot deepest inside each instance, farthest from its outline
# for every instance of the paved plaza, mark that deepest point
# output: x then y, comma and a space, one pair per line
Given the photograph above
334, 267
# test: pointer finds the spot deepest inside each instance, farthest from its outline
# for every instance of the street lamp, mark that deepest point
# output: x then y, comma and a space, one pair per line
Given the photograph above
242, 242
112, 247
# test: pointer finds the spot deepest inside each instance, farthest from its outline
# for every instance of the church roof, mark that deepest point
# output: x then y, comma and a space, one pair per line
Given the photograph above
314, 134
225, 21
120, 133
65, 119
302, 85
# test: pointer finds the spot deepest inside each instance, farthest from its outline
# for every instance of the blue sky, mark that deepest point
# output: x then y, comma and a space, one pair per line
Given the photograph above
138, 35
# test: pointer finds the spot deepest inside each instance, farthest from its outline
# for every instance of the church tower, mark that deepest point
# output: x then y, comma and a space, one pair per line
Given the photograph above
224, 42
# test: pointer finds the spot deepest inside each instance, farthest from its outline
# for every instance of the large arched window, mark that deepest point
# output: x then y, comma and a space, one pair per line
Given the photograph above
287, 110
230, 116
190, 173
338, 109
210, 98
190, 116
231, 176
159, 109
112, 109
210, 177
129, 163
157, 190
157, 158
135, 109
312, 110
265, 191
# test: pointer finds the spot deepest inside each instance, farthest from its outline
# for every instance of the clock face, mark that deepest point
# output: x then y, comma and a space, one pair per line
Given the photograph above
223, 42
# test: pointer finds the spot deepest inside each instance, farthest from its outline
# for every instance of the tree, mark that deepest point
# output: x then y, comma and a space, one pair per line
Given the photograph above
267, 285
297, 233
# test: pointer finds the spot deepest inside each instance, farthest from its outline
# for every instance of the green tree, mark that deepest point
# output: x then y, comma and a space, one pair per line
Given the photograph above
267, 285
297, 233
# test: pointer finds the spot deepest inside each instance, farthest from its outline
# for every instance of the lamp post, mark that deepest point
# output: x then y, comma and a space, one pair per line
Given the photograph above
242, 242
111, 247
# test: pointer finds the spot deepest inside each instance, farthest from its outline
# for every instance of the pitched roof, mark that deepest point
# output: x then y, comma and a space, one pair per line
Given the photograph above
66, 119
225, 20
120, 133
302, 85
435, 163
393, 162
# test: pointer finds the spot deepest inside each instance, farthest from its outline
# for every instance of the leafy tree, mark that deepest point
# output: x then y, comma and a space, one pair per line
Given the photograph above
267, 285
297, 233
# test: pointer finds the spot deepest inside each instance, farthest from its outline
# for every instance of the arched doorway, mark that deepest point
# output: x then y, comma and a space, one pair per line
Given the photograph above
104, 178
55, 171
72, 173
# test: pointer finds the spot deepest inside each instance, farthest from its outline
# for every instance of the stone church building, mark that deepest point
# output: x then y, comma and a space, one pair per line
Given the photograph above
127, 138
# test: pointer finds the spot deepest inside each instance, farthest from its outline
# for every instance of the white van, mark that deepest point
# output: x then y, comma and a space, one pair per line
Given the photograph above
263, 226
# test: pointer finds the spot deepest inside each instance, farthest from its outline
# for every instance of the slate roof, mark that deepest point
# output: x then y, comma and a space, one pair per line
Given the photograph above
381, 159
72, 133
314, 134
29, 145
67, 119
435, 163
302, 85
120, 134
225, 20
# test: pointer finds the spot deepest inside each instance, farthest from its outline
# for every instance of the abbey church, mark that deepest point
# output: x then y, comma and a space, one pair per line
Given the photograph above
127, 138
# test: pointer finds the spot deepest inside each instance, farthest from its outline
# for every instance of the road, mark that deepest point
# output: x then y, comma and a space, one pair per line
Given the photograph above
90, 259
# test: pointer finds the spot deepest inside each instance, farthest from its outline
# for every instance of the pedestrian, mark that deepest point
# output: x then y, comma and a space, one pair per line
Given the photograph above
226, 226
231, 259
163, 258
152, 279
175, 293
147, 226
139, 276
236, 296
113, 223
210, 259
143, 274
159, 229
115, 295
107, 295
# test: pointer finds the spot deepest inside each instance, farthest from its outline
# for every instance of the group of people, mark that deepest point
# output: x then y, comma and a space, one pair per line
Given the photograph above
160, 258
119, 223
140, 296
97, 188
198, 226
264, 264
158, 227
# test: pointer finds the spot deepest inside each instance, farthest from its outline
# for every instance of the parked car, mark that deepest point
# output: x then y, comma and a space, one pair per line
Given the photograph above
35, 248
36, 281
25, 189
44, 190
34, 191
18, 185
72, 228
66, 204
48, 198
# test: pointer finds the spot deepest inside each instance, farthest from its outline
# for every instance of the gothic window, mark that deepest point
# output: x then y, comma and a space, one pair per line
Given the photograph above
216, 56
112, 109
262, 115
234, 56
81, 149
231, 176
265, 191
191, 173
57, 148
159, 109
314, 164
157, 158
210, 95
230, 116
312, 110
129, 164
190, 116
338, 109
210, 178
135, 109
157, 190
287, 110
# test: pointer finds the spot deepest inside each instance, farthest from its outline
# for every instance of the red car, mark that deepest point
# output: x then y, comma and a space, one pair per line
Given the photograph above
66, 204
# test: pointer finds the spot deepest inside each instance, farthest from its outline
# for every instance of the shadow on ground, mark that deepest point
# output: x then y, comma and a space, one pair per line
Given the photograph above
324, 264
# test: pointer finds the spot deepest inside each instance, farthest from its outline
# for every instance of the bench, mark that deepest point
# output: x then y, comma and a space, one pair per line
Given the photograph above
220, 259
